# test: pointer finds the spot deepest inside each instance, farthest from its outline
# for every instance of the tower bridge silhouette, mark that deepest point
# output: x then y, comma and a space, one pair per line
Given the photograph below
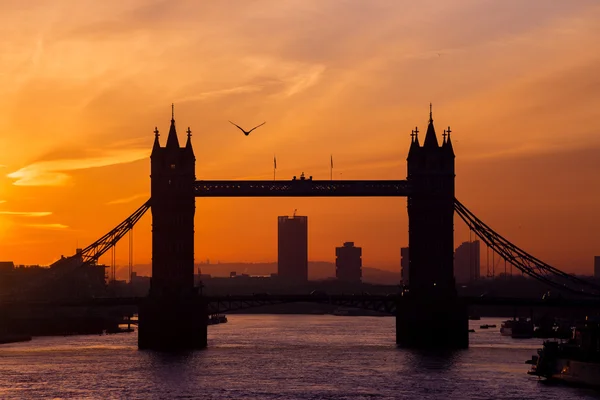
173, 315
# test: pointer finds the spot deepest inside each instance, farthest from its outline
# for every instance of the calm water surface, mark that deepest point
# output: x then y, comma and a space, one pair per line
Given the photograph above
277, 357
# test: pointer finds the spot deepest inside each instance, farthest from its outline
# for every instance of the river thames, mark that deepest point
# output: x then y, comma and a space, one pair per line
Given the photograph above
277, 357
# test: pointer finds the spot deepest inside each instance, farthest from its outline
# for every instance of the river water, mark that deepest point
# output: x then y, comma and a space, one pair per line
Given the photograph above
277, 357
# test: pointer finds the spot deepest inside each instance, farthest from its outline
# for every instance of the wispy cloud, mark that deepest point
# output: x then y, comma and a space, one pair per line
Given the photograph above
128, 199
27, 213
220, 93
289, 79
304, 81
2, 201
47, 226
52, 173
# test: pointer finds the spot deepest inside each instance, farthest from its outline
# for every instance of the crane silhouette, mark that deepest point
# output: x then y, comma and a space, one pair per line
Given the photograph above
247, 132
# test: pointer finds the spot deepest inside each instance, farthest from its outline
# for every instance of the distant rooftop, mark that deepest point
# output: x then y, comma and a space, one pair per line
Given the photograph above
4, 265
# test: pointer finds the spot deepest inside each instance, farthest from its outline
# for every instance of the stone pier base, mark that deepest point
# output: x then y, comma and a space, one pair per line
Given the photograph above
432, 323
172, 324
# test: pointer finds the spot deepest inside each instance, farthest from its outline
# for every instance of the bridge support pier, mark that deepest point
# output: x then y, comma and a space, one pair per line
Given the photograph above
171, 324
432, 323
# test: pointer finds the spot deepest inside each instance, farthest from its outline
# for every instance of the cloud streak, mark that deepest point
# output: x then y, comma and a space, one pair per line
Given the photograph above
47, 226
53, 172
27, 213
221, 93
129, 199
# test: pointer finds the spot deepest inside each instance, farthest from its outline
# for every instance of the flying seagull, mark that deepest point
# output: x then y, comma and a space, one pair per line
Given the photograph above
247, 132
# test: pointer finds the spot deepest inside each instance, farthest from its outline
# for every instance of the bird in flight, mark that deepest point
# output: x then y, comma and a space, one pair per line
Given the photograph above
247, 132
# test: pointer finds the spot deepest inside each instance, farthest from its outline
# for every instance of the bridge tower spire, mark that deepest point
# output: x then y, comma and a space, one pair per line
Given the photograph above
172, 140
432, 291
164, 323
430, 136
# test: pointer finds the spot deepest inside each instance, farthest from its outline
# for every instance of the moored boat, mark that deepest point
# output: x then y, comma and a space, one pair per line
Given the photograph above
550, 328
522, 328
216, 319
506, 328
576, 361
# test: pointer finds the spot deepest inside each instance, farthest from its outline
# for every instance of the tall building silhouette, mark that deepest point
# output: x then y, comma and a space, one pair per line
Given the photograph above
292, 248
597, 267
404, 266
467, 262
348, 263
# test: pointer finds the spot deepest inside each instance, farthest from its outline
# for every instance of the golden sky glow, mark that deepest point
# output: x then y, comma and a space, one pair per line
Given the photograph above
85, 82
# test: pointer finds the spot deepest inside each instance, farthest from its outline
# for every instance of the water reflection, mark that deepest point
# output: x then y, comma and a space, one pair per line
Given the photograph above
276, 357
441, 360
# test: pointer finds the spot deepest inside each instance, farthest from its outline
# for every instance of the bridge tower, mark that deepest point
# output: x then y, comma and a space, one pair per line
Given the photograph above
173, 316
431, 301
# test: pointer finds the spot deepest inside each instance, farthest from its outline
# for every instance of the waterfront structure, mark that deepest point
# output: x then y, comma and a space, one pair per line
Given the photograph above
67, 278
6, 266
404, 267
432, 299
173, 173
78, 278
292, 248
429, 302
348, 263
467, 262
174, 316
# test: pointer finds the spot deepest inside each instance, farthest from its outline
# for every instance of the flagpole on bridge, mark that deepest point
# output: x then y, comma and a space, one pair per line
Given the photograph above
331, 168
274, 166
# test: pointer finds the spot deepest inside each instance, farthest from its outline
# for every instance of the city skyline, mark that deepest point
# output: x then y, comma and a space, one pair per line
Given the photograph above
84, 92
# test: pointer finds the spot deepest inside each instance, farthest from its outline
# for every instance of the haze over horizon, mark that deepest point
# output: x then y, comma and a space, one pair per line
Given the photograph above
85, 83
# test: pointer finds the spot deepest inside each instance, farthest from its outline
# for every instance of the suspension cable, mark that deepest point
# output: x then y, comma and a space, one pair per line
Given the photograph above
524, 261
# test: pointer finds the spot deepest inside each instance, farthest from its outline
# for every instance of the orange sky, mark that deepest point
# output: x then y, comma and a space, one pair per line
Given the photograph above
85, 82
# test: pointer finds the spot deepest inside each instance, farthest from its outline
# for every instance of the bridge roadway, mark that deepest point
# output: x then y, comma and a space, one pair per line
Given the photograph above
381, 303
303, 188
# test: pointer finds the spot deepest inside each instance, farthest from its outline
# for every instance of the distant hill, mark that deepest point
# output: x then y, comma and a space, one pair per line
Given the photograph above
317, 270
380, 276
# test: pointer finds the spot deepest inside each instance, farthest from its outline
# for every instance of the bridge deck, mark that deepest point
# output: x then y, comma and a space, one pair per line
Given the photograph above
303, 188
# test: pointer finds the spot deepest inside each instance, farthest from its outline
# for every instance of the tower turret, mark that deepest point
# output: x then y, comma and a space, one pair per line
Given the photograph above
414, 142
188, 144
414, 158
448, 142
156, 146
